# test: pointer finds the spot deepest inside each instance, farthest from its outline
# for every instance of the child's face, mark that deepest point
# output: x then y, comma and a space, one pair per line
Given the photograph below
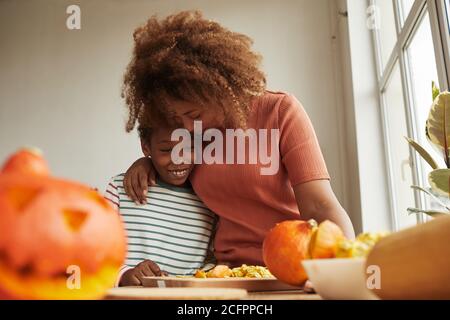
160, 149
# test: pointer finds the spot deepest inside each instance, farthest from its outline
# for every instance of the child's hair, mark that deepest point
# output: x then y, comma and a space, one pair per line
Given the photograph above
145, 133
187, 57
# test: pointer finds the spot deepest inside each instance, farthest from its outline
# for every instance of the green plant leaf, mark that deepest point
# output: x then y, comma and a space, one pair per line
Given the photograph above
438, 125
432, 213
424, 153
439, 180
436, 199
434, 90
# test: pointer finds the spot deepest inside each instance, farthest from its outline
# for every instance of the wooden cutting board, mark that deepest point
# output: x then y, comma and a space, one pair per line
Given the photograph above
249, 284
141, 293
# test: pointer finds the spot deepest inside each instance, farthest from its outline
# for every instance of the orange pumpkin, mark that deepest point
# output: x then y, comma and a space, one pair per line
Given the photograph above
54, 231
285, 246
324, 242
290, 242
27, 161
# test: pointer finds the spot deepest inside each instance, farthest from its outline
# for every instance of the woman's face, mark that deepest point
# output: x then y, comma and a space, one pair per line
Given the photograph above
187, 112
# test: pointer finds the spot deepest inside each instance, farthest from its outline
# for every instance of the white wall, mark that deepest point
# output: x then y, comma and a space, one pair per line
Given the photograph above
60, 89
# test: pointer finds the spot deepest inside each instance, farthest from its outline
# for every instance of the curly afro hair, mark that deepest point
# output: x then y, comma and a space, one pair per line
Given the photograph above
187, 57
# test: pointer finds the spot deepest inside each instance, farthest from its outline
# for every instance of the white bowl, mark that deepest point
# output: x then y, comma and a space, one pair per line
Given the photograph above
339, 278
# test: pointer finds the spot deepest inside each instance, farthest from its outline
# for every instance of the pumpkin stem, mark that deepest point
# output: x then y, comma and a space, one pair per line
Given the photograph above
312, 223
33, 150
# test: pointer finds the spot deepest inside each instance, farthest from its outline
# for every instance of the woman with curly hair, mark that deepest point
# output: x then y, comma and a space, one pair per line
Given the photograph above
186, 68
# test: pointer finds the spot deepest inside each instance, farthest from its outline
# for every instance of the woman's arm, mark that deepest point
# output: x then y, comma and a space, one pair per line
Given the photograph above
316, 200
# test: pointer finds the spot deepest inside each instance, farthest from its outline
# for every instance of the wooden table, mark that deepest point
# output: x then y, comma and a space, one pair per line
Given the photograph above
207, 293
283, 295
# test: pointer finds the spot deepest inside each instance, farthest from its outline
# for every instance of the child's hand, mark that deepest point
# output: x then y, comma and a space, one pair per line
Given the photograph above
146, 268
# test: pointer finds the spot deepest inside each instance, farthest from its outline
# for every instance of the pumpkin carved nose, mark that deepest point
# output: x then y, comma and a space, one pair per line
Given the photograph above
74, 219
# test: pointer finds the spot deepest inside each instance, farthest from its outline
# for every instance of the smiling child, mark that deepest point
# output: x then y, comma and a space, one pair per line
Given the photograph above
172, 231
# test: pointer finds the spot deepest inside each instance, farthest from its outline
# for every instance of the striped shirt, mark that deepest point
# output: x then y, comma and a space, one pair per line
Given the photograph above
173, 229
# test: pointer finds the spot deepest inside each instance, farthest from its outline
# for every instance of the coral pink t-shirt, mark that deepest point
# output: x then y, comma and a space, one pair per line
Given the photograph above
248, 203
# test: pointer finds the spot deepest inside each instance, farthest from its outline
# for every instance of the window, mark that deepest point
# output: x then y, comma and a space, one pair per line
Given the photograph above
387, 30
406, 6
422, 66
447, 12
396, 128
411, 46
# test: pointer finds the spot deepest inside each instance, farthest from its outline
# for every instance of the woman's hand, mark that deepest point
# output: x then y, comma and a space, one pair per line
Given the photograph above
146, 268
316, 200
138, 177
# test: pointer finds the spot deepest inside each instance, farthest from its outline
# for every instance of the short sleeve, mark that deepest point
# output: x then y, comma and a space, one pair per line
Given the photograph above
299, 147
112, 194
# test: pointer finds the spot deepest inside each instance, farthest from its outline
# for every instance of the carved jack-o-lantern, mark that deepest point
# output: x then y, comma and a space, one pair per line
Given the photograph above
58, 239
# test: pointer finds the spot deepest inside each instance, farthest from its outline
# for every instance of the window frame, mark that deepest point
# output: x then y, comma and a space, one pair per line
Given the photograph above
406, 28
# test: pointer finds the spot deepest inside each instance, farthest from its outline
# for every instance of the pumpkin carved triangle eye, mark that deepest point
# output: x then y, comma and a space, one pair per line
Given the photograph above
20, 196
74, 218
